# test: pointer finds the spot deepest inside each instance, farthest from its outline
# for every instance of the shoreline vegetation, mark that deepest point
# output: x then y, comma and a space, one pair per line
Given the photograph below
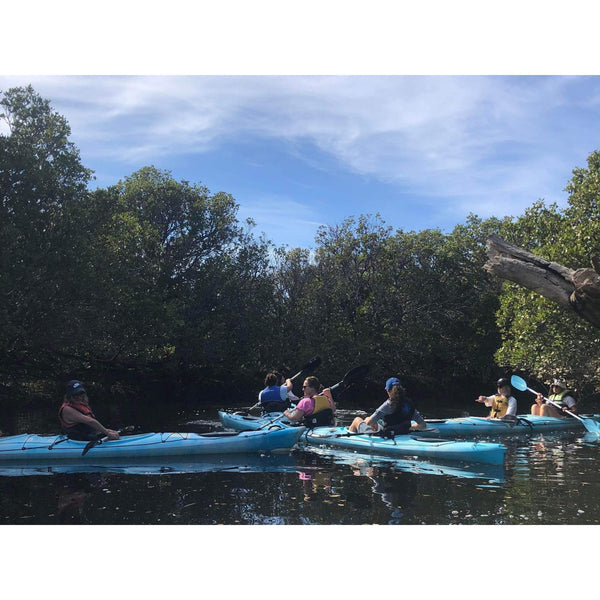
155, 284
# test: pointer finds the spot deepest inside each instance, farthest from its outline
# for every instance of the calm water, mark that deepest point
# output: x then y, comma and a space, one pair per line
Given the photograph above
546, 480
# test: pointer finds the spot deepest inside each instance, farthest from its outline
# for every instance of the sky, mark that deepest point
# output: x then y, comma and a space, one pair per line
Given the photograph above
422, 147
298, 151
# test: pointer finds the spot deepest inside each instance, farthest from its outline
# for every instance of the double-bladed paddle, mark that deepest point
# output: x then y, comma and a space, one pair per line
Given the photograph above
590, 424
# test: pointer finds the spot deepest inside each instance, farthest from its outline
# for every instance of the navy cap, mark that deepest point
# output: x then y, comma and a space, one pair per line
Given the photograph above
391, 382
74, 387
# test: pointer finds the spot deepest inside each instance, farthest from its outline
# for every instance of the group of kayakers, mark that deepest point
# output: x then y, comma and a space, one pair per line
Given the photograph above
504, 406
397, 415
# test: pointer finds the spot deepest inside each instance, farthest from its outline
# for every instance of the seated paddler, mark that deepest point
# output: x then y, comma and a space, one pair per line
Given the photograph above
394, 417
77, 419
502, 404
316, 408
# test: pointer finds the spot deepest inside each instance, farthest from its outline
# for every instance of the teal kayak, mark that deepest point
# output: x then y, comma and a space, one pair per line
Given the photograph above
243, 422
407, 445
475, 426
35, 448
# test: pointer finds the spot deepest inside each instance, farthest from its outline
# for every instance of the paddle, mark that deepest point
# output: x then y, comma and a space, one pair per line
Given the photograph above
352, 376
591, 425
98, 441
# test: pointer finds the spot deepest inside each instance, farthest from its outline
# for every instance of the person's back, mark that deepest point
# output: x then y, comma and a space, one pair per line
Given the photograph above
274, 397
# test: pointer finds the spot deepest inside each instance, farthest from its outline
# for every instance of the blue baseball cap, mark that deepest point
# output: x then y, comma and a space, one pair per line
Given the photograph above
391, 382
74, 387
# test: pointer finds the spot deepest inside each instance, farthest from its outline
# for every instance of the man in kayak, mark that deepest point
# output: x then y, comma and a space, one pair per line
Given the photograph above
76, 416
560, 395
502, 405
316, 408
394, 416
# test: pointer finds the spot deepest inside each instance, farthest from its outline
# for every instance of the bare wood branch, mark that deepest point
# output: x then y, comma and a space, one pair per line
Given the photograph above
576, 290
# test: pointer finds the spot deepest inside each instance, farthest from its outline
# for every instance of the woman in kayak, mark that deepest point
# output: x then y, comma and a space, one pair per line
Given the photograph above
394, 416
559, 395
76, 416
316, 407
502, 405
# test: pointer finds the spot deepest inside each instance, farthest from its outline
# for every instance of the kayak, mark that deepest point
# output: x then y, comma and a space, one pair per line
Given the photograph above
242, 422
49, 448
474, 426
407, 445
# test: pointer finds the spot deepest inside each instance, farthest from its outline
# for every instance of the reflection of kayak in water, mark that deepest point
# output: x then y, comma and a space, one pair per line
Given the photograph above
406, 445
251, 463
362, 463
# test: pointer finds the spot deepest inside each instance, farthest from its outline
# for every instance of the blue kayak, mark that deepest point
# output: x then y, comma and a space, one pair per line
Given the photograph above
243, 422
36, 448
475, 426
451, 428
407, 445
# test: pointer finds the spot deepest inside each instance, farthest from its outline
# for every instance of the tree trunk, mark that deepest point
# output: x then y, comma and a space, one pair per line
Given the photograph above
576, 290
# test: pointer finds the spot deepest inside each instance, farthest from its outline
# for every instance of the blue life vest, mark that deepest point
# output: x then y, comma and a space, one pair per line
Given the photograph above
271, 401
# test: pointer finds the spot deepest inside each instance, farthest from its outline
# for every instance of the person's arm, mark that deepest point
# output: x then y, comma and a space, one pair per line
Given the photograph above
327, 392
70, 415
571, 404
295, 416
419, 424
487, 400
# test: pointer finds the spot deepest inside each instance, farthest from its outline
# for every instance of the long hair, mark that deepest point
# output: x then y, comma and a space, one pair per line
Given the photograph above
397, 395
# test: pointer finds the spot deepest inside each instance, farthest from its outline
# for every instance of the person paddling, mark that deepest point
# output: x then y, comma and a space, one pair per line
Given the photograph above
76, 416
316, 408
275, 397
502, 405
394, 416
560, 395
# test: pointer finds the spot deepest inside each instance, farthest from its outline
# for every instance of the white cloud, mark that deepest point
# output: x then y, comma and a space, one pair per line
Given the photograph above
464, 142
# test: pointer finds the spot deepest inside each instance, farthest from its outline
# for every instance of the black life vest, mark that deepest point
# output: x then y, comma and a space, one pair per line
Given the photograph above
398, 422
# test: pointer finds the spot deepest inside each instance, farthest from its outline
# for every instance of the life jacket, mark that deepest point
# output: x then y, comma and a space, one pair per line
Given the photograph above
322, 415
270, 399
398, 422
79, 431
558, 398
499, 406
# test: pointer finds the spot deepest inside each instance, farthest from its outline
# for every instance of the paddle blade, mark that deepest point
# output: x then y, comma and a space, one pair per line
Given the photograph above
356, 374
313, 363
591, 425
519, 383
352, 376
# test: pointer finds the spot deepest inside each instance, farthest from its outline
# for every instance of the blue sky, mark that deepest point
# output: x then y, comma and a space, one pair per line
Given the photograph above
300, 151
422, 129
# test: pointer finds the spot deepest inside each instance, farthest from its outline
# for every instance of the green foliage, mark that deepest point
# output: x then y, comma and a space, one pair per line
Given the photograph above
154, 275
539, 337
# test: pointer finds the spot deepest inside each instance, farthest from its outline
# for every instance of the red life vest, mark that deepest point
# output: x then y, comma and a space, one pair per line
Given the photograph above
84, 409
